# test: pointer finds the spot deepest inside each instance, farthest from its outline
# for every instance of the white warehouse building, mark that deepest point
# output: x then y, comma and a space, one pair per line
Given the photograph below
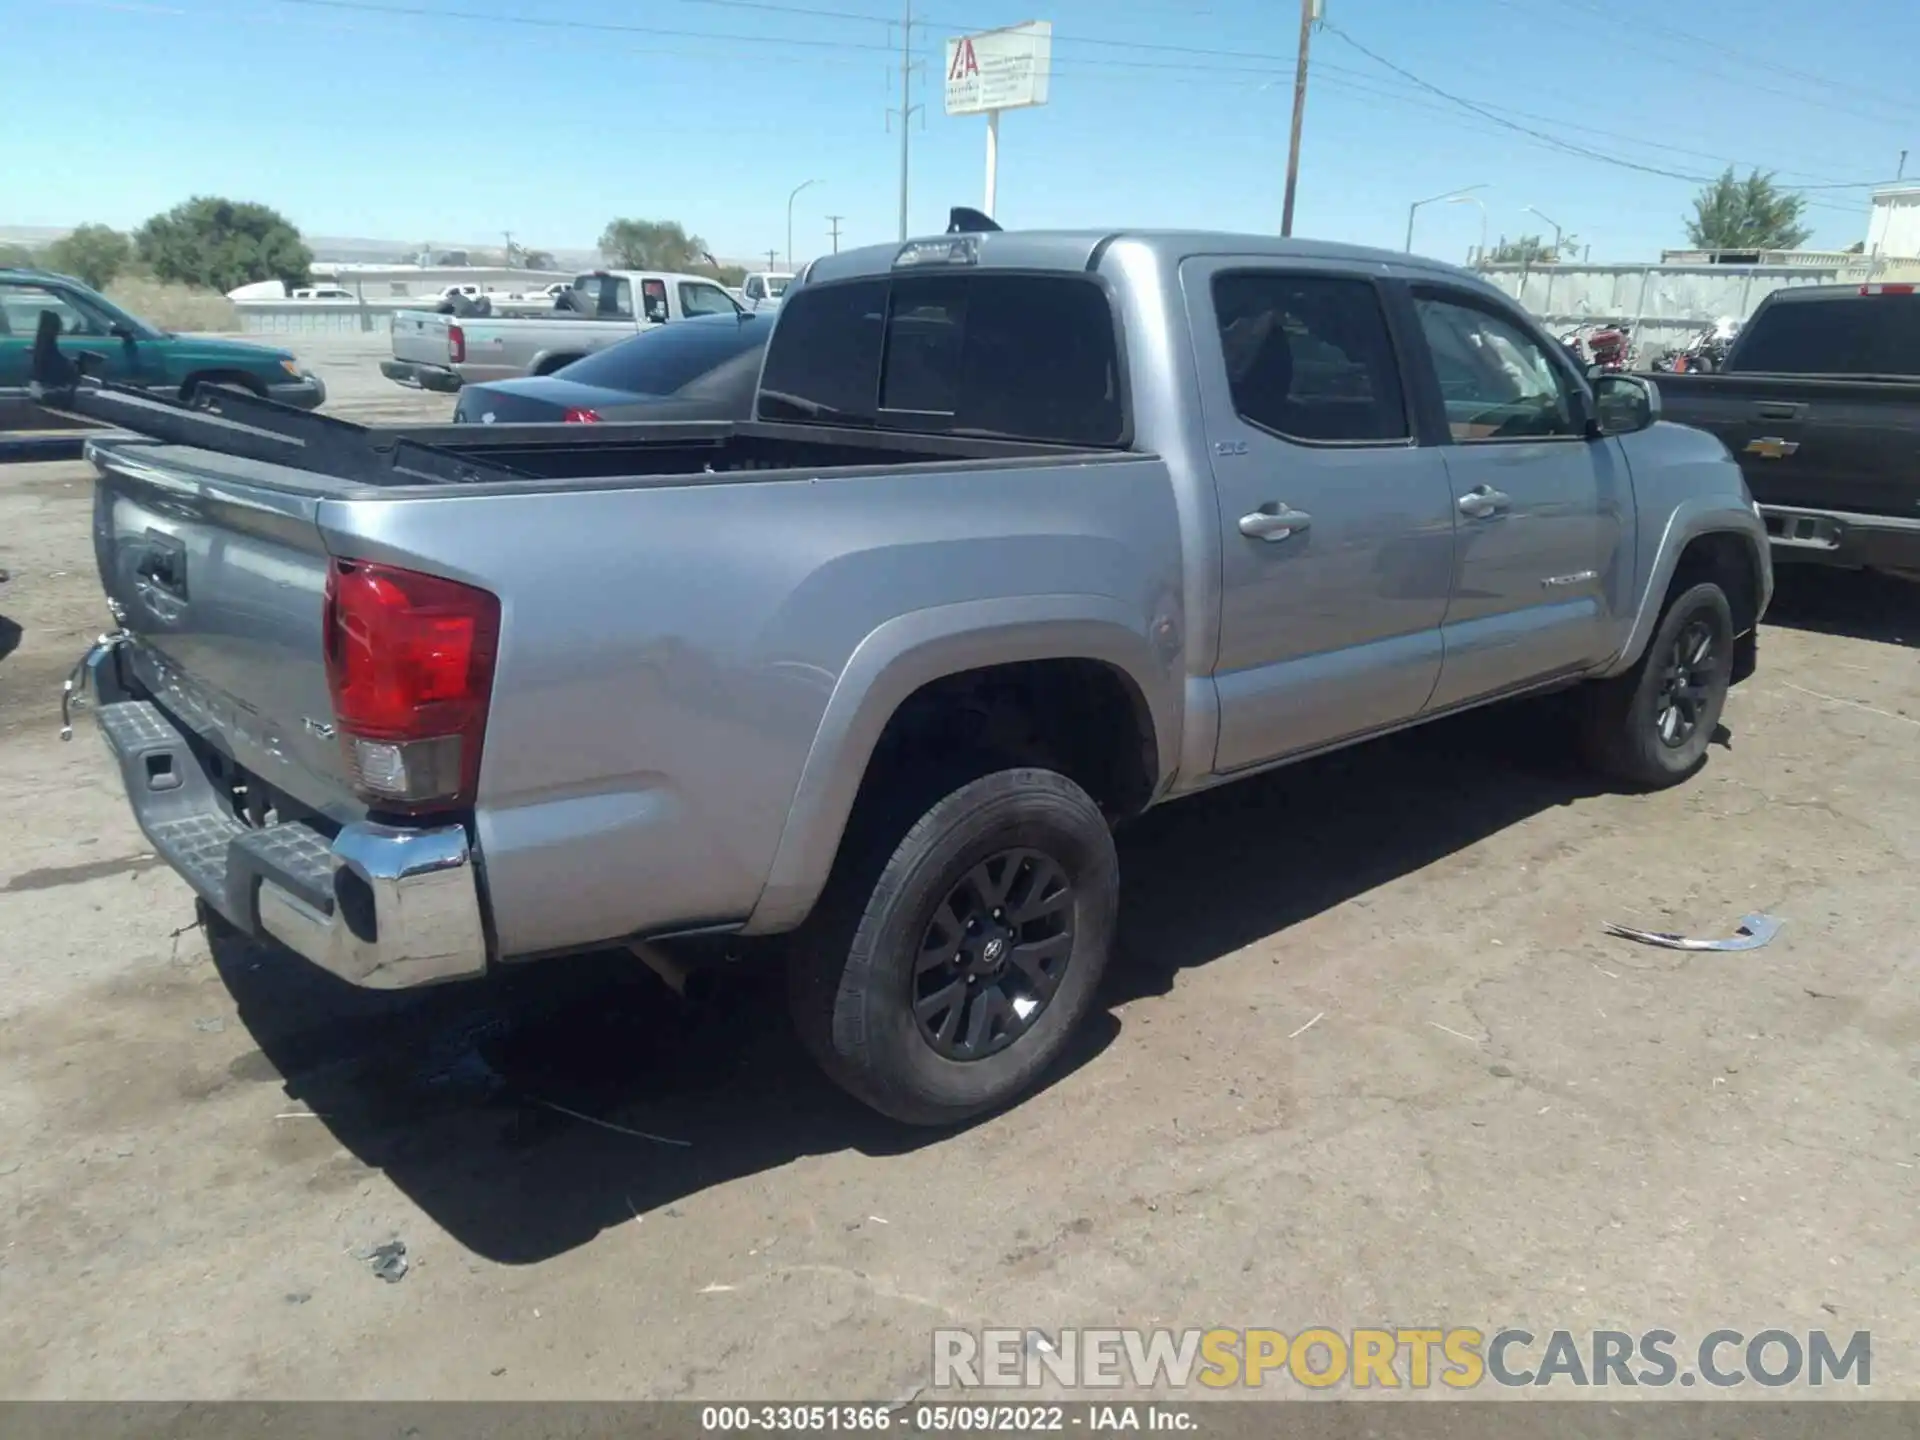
1893, 224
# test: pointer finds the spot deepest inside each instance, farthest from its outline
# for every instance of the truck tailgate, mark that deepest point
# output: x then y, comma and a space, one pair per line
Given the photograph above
420, 336
221, 587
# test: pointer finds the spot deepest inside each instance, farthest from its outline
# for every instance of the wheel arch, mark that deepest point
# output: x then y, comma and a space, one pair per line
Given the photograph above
1703, 540
222, 375
926, 648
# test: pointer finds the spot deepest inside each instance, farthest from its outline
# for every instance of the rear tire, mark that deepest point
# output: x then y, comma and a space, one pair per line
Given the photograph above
1651, 726
947, 967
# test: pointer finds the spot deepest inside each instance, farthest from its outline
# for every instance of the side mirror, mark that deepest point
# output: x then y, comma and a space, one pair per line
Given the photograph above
120, 331
1624, 404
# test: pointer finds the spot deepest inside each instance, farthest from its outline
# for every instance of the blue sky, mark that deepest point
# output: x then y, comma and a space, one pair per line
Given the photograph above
375, 118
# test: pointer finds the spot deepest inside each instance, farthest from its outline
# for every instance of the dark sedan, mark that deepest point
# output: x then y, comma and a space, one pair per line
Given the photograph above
699, 369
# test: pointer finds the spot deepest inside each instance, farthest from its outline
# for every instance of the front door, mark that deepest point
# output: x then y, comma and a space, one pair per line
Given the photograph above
82, 329
1540, 504
1336, 526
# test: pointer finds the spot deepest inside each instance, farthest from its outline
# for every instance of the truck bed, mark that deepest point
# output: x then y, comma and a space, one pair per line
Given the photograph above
244, 437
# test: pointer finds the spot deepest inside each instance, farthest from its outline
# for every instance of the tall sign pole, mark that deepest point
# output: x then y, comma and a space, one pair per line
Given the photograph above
997, 70
1309, 12
993, 159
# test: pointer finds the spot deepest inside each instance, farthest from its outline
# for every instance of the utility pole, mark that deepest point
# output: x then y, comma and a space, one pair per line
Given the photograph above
507, 236
1309, 12
835, 220
907, 107
773, 259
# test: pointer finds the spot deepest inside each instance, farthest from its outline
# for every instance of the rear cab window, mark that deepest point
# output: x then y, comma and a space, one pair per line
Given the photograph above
1309, 357
1841, 335
996, 355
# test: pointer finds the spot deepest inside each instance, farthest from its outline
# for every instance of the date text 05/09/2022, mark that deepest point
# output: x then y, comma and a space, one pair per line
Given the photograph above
927, 1419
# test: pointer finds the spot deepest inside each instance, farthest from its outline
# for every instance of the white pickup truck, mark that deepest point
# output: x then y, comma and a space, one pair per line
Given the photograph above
432, 351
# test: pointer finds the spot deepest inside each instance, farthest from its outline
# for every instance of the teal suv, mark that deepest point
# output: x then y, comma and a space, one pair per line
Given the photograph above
131, 351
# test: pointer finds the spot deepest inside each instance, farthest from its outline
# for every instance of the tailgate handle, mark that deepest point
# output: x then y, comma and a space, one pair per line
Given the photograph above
1779, 410
163, 564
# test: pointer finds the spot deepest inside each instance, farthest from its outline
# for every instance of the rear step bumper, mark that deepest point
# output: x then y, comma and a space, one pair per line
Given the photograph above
1836, 537
420, 375
379, 906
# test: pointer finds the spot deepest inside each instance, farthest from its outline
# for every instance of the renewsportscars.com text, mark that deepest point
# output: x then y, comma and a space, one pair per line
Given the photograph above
1457, 1357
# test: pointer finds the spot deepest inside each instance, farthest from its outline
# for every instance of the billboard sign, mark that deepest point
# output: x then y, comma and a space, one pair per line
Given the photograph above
999, 69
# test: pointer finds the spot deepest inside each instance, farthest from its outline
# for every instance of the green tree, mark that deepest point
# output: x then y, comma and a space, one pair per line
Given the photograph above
1530, 250
17, 257
1749, 214
222, 244
93, 253
651, 245
537, 260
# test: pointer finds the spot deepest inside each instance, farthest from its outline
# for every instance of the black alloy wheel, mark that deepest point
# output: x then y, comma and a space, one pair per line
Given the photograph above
1687, 680
993, 954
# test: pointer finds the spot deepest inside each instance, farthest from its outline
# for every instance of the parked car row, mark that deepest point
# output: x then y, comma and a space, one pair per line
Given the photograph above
600, 308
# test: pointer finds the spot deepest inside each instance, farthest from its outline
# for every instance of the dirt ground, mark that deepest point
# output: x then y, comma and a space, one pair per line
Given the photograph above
1497, 1116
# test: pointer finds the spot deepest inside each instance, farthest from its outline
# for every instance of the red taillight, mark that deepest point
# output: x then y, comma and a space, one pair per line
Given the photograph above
577, 416
456, 345
410, 670
1886, 289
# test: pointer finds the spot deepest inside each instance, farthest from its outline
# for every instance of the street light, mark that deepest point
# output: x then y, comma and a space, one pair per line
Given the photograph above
1475, 200
1557, 231
1431, 199
790, 199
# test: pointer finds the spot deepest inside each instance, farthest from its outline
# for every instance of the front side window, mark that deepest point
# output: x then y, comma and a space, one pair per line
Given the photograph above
21, 306
1496, 381
698, 299
1309, 357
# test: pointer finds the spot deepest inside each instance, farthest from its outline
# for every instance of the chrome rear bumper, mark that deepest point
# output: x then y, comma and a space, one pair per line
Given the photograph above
380, 906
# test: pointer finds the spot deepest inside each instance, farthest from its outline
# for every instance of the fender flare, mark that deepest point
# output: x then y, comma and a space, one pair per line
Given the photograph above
912, 650
1690, 520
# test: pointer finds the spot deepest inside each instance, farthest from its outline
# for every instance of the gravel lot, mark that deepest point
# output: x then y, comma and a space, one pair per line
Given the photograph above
1500, 1117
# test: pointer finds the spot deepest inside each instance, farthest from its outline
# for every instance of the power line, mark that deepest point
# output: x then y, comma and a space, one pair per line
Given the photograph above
1720, 48
557, 23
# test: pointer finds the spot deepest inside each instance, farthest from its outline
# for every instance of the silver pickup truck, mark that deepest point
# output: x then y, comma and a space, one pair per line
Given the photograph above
432, 351
1029, 532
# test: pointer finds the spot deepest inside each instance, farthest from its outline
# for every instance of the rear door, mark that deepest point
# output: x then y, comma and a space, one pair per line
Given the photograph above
1336, 524
1540, 506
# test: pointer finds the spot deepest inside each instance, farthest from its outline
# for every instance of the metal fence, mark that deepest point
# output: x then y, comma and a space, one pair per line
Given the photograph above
343, 317
1668, 304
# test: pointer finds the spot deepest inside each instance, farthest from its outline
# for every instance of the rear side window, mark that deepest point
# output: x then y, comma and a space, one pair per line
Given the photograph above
1029, 357
1848, 335
668, 360
1309, 356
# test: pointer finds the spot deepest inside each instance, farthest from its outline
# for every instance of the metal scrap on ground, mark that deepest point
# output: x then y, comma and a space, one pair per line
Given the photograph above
388, 1261
1755, 930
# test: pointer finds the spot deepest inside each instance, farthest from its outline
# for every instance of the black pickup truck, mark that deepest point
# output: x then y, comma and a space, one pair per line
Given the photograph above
1820, 402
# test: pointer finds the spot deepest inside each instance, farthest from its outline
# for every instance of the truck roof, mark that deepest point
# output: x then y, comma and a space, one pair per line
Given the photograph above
1875, 290
1081, 249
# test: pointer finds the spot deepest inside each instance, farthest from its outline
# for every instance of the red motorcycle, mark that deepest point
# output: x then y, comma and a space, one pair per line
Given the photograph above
1609, 347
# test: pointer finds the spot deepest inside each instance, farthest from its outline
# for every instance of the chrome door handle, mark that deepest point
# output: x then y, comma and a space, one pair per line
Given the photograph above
1482, 501
1274, 522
